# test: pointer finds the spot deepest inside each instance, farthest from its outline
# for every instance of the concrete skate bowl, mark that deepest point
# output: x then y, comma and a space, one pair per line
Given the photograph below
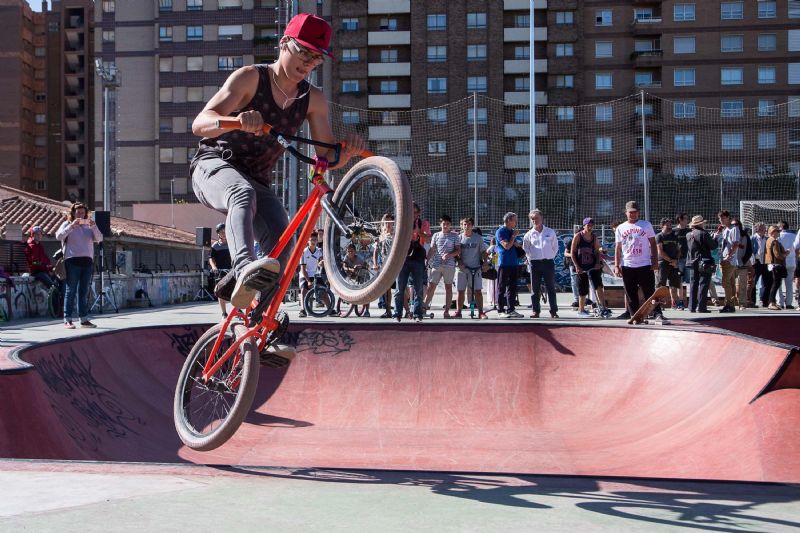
779, 327
600, 401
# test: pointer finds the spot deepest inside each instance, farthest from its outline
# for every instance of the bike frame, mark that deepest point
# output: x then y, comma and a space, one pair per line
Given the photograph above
310, 211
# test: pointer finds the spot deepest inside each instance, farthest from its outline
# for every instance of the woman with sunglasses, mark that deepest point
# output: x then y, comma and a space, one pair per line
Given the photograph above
232, 169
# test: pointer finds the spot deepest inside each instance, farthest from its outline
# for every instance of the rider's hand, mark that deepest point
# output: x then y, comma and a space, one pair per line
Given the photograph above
352, 146
252, 122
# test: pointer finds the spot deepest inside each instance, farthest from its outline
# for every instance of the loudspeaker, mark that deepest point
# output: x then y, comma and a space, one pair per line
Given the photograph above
103, 221
202, 236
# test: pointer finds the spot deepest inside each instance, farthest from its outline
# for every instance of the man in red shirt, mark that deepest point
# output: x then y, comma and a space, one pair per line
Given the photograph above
38, 263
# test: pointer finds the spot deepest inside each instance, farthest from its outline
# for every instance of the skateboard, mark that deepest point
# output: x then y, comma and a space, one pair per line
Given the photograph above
662, 293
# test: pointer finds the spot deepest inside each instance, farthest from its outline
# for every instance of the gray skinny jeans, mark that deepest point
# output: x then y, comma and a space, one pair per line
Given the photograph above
251, 209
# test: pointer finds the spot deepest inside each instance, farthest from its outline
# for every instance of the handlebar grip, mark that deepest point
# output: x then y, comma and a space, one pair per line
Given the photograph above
234, 123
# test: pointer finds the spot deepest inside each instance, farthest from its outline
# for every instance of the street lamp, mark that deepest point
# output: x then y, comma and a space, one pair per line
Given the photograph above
109, 76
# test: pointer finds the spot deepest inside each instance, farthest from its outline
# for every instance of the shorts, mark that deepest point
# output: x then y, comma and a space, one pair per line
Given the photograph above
465, 278
583, 280
685, 274
668, 274
443, 272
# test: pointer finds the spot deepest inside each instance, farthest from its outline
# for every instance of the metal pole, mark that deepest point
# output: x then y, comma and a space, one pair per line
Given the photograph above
106, 151
532, 103
644, 165
797, 185
475, 153
172, 200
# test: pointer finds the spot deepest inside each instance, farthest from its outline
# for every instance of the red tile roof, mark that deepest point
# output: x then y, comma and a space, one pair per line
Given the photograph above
28, 209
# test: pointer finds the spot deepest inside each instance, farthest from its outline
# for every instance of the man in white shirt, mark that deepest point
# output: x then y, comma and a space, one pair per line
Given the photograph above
541, 246
730, 240
309, 262
636, 258
791, 244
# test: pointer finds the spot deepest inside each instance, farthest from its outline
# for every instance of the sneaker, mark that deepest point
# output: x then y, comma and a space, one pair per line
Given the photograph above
501, 313
366, 314
303, 313
680, 306
788, 307
224, 287
255, 277
624, 316
659, 316
727, 309
333, 312
583, 314
483, 316
513, 314
574, 304
387, 314
397, 318
554, 315
457, 315
224, 316
534, 315
69, 325
87, 324
417, 319
774, 307
606, 313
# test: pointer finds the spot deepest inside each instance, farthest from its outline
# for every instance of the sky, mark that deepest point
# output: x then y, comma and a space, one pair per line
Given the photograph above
35, 4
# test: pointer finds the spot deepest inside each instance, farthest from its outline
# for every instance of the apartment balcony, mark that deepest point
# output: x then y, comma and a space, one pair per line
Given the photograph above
524, 162
386, 7
389, 133
523, 130
647, 58
514, 5
388, 38
653, 84
389, 101
523, 97
389, 69
523, 66
650, 25
522, 35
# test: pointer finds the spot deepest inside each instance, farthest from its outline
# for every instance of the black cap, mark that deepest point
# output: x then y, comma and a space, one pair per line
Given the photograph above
220, 226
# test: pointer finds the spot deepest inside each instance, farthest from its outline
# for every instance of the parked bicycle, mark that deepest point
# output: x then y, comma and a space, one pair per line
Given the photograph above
218, 381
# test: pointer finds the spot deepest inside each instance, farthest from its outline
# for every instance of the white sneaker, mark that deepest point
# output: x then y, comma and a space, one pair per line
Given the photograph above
583, 314
513, 314
255, 277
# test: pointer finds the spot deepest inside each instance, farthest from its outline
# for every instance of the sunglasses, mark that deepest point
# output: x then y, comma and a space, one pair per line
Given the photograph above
305, 56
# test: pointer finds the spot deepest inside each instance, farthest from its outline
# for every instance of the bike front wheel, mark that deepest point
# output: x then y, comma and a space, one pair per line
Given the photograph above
208, 412
373, 201
318, 301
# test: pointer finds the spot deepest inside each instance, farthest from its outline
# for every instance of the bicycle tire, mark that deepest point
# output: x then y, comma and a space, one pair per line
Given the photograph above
350, 308
315, 294
397, 187
55, 306
244, 393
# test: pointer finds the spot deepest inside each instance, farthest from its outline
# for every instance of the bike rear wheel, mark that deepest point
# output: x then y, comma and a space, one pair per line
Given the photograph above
207, 414
314, 301
55, 304
374, 187
348, 309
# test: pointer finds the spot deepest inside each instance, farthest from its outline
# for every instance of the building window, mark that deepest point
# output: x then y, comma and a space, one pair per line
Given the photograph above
684, 142
522, 84
165, 34
194, 33
603, 80
349, 55
165, 125
388, 56
562, 113
522, 147
603, 17
794, 139
476, 84
522, 177
483, 148
794, 9
683, 77
767, 42
683, 12
483, 179
476, 52
438, 115
194, 5
437, 22
685, 171
389, 118
165, 94
684, 109
602, 144
350, 86
165, 64
767, 10
40, 118
109, 6
483, 117
565, 17
732, 141
194, 94
767, 140
350, 117
767, 108
732, 43
229, 32
603, 113
437, 54
350, 24
476, 20
389, 87
230, 62
731, 172
229, 4
522, 21
565, 177
164, 5
794, 41
794, 73
437, 85
732, 10
565, 145
766, 75
562, 50
437, 148
794, 106
437, 179
603, 49
563, 81
522, 52
683, 45
731, 76
522, 116
388, 24
194, 63
731, 109
604, 176
108, 36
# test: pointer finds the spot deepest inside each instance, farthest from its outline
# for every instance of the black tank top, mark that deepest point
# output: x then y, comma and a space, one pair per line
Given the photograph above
585, 252
255, 156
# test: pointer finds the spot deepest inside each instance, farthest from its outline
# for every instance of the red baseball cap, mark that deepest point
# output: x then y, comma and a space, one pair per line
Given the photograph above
311, 31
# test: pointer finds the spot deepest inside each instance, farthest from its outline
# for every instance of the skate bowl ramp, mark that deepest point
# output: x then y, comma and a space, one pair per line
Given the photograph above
544, 399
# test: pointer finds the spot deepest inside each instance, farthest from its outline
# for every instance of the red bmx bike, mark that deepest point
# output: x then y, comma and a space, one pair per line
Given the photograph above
218, 381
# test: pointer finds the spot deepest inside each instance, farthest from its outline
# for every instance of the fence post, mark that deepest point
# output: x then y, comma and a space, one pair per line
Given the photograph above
532, 103
475, 153
644, 164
